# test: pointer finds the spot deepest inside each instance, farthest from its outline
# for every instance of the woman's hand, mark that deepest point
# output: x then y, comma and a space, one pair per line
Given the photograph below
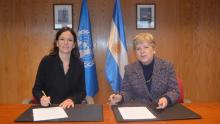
45, 101
114, 99
67, 103
162, 104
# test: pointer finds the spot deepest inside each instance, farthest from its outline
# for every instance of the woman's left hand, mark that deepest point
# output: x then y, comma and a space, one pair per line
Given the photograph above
67, 104
162, 103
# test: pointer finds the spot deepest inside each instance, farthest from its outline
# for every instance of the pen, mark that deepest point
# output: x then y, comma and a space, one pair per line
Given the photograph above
45, 95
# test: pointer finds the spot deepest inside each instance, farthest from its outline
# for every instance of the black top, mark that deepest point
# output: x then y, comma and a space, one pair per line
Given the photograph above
58, 85
148, 70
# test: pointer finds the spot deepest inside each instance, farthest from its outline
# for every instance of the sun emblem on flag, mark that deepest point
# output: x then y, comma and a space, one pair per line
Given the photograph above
115, 47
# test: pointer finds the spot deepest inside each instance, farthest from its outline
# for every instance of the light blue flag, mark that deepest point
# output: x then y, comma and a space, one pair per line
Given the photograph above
116, 55
86, 50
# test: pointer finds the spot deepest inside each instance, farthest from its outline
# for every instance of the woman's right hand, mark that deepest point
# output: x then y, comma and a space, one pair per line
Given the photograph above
45, 101
114, 99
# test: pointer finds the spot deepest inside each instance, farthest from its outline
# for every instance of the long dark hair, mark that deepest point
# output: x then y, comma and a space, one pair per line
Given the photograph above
55, 49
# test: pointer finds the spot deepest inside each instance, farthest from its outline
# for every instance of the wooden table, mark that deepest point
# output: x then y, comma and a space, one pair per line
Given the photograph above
210, 113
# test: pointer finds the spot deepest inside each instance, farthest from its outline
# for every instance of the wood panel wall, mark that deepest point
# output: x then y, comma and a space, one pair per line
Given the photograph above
187, 33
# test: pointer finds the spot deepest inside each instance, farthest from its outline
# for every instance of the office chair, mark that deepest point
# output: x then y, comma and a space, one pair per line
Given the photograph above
180, 86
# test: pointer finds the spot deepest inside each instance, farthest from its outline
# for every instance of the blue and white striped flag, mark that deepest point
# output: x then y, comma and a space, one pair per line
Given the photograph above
86, 50
116, 55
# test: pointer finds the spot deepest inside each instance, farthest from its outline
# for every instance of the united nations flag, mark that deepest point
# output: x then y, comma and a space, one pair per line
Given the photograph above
86, 50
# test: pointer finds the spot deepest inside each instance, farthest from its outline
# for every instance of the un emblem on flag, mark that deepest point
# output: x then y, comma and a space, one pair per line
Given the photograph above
85, 48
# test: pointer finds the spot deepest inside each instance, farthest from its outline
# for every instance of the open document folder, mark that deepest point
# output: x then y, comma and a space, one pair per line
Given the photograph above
41, 114
78, 113
140, 112
129, 113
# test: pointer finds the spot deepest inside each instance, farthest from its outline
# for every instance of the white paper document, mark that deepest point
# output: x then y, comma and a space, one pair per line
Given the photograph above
135, 113
41, 114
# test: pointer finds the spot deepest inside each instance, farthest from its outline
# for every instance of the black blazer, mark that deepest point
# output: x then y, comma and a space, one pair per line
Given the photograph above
52, 80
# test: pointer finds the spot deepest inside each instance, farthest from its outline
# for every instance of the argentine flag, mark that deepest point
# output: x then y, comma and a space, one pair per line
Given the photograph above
86, 50
116, 55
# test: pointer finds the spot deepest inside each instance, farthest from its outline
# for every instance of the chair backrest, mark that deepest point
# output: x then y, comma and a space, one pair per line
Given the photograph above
29, 101
33, 100
180, 86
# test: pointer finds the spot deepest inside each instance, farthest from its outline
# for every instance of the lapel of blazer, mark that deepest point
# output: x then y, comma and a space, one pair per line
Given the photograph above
141, 80
156, 73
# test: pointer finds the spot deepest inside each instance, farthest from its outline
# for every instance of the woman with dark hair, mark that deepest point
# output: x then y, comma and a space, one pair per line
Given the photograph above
60, 76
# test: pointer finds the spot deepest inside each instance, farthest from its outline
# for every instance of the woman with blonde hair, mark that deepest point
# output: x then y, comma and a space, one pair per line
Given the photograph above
149, 79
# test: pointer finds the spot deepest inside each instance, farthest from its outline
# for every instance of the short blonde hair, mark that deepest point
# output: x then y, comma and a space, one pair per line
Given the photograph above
144, 37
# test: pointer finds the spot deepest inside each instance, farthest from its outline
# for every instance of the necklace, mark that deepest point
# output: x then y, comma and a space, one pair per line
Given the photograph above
149, 80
